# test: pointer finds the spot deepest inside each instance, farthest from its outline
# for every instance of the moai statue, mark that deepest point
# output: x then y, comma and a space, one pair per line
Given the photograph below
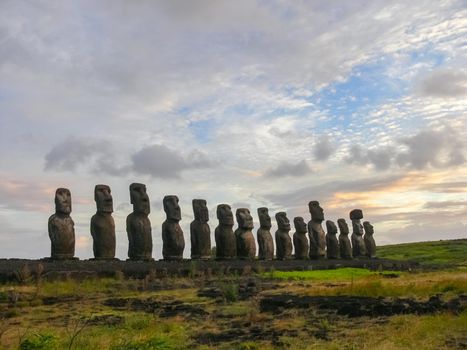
226, 245
300, 242
283, 240
315, 231
345, 247
370, 244
200, 233
138, 226
246, 246
173, 242
358, 245
103, 225
265, 242
332, 244
62, 227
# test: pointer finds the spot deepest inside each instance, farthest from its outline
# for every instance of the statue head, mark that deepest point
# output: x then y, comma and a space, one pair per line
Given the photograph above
283, 222
171, 208
264, 218
244, 218
331, 227
316, 211
63, 201
139, 198
200, 210
300, 224
368, 228
224, 214
103, 199
356, 214
343, 227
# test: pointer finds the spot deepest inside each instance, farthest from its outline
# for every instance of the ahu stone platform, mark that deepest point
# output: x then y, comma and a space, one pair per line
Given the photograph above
22, 269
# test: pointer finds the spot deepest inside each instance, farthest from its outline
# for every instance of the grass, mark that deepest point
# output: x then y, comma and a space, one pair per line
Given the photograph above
451, 252
341, 274
31, 323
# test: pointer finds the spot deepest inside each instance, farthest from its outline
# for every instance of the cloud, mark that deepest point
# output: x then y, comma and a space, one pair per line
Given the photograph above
324, 191
73, 153
323, 148
285, 168
445, 204
441, 148
163, 162
444, 83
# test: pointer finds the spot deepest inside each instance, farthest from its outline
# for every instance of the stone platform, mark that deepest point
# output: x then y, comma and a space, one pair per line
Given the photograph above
17, 269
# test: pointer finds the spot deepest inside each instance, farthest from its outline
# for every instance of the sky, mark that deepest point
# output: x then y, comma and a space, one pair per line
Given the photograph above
356, 104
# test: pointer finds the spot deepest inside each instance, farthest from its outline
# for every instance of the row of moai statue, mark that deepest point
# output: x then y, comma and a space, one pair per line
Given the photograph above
240, 244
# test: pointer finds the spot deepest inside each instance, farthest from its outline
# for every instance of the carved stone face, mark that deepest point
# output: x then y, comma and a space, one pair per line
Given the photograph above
171, 208
103, 199
331, 227
244, 218
63, 201
283, 222
300, 224
368, 228
264, 218
200, 210
343, 227
356, 214
139, 198
317, 213
224, 214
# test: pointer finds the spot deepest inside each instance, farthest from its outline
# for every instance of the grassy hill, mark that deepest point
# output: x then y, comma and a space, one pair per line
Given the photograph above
449, 252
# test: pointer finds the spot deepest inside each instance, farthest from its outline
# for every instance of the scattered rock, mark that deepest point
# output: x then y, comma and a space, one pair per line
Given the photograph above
352, 306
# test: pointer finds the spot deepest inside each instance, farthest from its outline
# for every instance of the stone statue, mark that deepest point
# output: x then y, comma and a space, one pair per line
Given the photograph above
345, 247
62, 227
283, 241
265, 242
173, 242
358, 245
300, 242
246, 246
200, 233
316, 233
370, 244
138, 226
332, 244
226, 245
102, 224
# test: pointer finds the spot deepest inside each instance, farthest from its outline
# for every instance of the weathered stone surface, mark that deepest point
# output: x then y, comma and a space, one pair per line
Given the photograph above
358, 306
200, 233
356, 214
226, 245
61, 227
300, 242
332, 244
102, 224
173, 242
358, 245
370, 243
246, 247
138, 226
316, 233
345, 247
265, 241
283, 240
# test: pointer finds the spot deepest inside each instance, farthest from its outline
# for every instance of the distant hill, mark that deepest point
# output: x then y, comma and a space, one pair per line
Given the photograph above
443, 252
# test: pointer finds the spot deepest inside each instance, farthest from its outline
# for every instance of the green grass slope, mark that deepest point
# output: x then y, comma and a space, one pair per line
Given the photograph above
427, 253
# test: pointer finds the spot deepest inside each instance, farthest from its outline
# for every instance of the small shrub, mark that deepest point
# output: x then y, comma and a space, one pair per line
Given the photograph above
230, 291
38, 342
